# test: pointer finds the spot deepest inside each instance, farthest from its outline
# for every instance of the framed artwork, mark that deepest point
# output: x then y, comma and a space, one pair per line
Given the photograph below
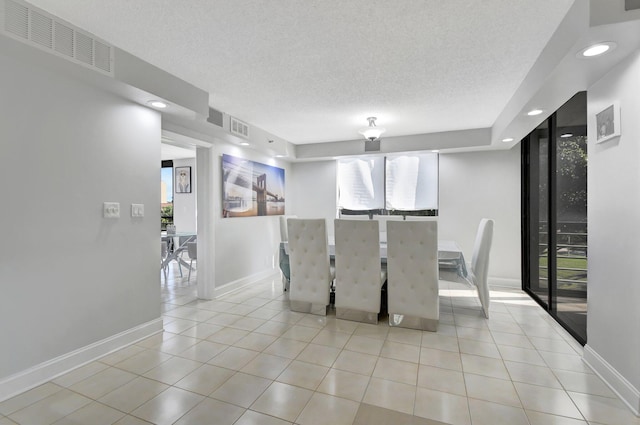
608, 123
183, 179
250, 188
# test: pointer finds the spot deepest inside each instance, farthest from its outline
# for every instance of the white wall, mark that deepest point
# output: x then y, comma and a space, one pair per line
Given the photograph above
472, 186
69, 277
314, 193
613, 319
184, 204
246, 248
484, 185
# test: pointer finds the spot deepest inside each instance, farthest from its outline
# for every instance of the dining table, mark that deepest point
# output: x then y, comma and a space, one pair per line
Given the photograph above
450, 255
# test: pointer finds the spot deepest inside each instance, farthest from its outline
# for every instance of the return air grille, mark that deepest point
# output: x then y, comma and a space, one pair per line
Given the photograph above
35, 27
239, 128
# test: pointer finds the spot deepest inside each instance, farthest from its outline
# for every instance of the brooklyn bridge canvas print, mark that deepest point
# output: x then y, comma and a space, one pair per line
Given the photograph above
250, 188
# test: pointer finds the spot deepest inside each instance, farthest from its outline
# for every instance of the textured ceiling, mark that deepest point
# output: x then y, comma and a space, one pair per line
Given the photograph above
313, 70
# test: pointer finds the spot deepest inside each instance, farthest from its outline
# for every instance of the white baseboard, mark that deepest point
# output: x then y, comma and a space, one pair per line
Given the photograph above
241, 283
39, 374
618, 383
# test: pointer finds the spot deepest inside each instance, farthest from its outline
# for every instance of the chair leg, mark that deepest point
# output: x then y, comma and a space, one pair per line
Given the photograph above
189, 278
179, 266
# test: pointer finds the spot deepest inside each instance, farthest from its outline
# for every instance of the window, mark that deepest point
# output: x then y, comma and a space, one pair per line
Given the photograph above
361, 183
554, 221
166, 194
412, 182
398, 184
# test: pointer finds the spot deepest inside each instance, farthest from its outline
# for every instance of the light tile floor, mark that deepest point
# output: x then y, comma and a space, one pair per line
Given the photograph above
246, 359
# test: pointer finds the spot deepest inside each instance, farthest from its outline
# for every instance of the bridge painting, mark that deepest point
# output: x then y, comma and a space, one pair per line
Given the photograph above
250, 188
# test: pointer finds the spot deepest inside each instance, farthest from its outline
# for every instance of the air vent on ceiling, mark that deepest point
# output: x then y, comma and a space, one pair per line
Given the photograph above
631, 4
372, 145
37, 28
239, 128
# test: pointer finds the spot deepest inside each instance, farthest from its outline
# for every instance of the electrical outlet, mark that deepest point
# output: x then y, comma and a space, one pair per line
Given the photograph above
111, 210
137, 210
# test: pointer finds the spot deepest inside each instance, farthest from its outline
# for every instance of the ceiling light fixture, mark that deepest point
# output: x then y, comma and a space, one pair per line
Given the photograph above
565, 135
157, 104
372, 132
597, 49
508, 139
244, 143
534, 112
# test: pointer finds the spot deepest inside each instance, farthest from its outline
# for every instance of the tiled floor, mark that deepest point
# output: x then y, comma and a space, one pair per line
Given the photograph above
246, 359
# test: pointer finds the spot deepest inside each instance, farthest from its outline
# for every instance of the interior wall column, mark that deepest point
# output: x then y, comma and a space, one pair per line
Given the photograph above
205, 223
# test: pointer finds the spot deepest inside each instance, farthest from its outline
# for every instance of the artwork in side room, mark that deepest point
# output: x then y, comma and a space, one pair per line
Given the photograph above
250, 188
183, 180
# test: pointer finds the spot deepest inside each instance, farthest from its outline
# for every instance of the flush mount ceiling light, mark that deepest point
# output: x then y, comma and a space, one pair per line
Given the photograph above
534, 112
565, 135
157, 104
372, 132
597, 49
508, 139
244, 143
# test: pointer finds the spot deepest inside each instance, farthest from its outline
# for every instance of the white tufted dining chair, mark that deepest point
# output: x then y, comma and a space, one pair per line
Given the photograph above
412, 274
359, 277
311, 274
480, 262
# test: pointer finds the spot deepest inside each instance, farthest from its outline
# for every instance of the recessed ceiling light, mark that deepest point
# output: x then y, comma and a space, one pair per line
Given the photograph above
508, 139
244, 143
279, 156
157, 104
534, 112
565, 135
597, 49
435, 151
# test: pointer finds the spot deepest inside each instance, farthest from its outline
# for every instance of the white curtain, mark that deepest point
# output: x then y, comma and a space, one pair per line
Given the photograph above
361, 183
412, 182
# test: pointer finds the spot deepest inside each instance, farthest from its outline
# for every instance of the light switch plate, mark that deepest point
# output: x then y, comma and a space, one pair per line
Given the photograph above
137, 210
111, 210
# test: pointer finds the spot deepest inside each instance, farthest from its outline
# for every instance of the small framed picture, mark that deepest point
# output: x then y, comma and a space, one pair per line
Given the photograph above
608, 123
183, 179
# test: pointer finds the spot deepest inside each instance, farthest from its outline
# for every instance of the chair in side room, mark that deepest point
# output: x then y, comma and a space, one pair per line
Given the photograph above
283, 256
181, 249
192, 251
359, 277
164, 253
480, 263
412, 274
311, 274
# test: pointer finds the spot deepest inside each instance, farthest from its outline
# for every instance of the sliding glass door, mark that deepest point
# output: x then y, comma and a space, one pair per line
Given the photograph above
555, 215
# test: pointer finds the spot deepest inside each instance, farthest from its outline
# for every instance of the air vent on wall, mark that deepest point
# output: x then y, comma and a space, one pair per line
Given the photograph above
215, 117
239, 128
372, 145
631, 4
37, 28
